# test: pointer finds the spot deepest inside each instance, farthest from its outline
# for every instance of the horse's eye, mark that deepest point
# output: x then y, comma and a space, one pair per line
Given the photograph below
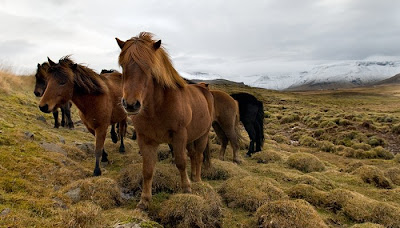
62, 82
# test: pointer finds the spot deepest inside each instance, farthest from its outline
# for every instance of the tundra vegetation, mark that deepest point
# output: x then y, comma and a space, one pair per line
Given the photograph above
330, 159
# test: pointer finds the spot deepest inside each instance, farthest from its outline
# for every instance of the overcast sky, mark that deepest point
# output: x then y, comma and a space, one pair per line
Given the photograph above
224, 37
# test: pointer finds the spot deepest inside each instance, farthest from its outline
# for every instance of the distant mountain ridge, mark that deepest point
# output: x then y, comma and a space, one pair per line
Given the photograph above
345, 74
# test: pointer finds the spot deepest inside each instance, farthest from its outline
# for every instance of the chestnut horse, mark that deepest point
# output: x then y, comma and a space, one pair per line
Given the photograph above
40, 87
97, 97
164, 109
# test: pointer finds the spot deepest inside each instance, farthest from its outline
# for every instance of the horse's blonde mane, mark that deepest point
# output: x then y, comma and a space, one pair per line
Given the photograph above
140, 49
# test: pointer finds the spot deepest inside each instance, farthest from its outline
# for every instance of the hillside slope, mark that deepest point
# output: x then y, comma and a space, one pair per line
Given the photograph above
329, 156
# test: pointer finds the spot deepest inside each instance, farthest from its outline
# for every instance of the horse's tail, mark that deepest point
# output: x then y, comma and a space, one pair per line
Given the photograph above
260, 121
207, 156
240, 138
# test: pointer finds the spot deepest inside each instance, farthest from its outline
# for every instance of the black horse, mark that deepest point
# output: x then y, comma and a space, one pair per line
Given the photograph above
40, 87
252, 117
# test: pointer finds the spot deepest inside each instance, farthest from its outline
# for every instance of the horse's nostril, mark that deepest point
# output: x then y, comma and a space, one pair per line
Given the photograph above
37, 94
137, 105
123, 101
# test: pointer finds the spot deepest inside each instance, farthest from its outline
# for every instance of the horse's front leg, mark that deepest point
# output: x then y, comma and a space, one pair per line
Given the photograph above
148, 149
122, 132
179, 143
100, 134
56, 121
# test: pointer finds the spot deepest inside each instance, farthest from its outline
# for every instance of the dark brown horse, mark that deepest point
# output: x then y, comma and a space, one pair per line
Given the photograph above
164, 109
97, 97
40, 87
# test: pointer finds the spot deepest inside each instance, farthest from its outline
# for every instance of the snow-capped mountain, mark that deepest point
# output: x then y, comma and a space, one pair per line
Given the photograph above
324, 76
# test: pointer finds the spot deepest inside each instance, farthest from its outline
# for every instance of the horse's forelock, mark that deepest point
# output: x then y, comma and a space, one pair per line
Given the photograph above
140, 50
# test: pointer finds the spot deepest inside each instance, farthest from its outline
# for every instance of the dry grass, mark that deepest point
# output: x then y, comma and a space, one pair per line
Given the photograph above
359, 208
394, 175
267, 157
83, 214
367, 225
289, 213
101, 191
223, 170
308, 193
305, 162
250, 192
373, 175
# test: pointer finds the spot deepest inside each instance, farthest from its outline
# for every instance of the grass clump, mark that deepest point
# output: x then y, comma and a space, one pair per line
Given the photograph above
187, 210
375, 141
101, 191
289, 213
358, 208
308, 193
222, 170
82, 214
373, 175
305, 162
165, 179
396, 158
308, 141
393, 174
290, 119
280, 139
326, 146
267, 157
250, 192
396, 129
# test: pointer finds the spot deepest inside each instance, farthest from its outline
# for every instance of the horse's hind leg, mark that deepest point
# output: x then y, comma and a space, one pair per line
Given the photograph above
62, 116
114, 136
259, 131
249, 126
69, 121
149, 153
122, 131
222, 137
179, 143
100, 134
197, 155
56, 121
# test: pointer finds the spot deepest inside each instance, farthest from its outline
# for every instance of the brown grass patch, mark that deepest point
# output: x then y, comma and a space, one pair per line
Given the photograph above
101, 191
82, 214
373, 175
165, 179
367, 225
359, 208
393, 174
267, 157
305, 162
289, 213
187, 210
250, 192
308, 193
223, 170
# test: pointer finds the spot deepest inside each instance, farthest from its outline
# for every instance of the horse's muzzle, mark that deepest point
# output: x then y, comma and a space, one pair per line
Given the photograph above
37, 94
131, 108
44, 108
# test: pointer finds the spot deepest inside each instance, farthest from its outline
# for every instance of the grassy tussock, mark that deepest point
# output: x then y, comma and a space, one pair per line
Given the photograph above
165, 179
250, 192
223, 170
308, 193
373, 175
187, 210
359, 208
267, 157
397, 158
102, 191
289, 213
305, 162
82, 214
393, 174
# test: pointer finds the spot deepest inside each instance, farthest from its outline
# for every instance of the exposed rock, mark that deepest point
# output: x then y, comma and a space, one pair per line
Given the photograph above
62, 140
5, 211
53, 147
41, 118
29, 135
86, 147
74, 194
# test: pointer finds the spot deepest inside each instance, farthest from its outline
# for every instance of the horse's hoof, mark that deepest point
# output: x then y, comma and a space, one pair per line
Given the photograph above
237, 161
62, 124
122, 150
70, 126
248, 155
97, 172
187, 190
104, 159
142, 205
221, 158
114, 138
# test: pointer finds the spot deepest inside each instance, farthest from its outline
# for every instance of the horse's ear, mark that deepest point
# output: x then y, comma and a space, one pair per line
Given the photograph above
38, 65
51, 62
120, 42
75, 66
157, 45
